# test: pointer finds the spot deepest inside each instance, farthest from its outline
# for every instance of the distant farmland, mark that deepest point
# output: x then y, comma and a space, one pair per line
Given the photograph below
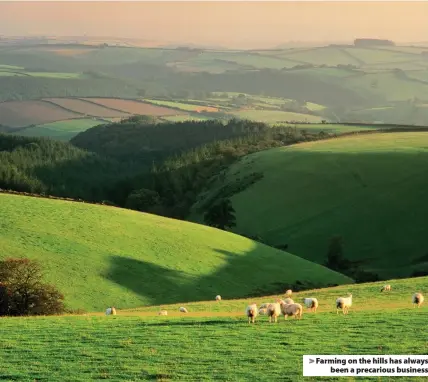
25, 113
86, 108
132, 107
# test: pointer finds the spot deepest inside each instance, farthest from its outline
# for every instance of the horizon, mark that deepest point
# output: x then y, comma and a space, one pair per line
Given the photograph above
266, 24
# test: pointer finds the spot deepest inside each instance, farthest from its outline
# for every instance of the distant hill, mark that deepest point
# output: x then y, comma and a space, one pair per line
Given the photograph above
368, 189
100, 256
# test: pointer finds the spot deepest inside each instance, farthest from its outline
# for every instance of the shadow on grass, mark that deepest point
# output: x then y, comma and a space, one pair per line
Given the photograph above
260, 272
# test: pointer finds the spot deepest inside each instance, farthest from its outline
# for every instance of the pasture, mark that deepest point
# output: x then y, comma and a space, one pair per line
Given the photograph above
183, 106
61, 130
314, 191
98, 255
213, 346
275, 116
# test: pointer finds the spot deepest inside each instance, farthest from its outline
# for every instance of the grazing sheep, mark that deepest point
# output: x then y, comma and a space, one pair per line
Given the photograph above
263, 311
344, 303
295, 310
218, 298
385, 288
251, 312
111, 311
265, 305
163, 313
183, 309
311, 303
289, 292
273, 311
418, 299
288, 301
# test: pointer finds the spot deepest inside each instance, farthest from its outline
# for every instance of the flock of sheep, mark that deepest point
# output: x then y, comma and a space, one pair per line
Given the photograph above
288, 307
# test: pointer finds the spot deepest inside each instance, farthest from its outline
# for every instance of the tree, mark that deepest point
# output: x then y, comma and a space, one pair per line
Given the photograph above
335, 257
22, 291
221, 215
143, 200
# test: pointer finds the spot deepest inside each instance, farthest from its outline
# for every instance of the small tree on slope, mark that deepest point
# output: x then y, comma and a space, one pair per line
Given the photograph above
22, 288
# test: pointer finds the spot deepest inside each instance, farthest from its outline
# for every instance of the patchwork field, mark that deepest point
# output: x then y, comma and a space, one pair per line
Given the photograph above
62, 130
134, 107
86, 108
192, 347
183, 106
99, 255
314, 191
24, 113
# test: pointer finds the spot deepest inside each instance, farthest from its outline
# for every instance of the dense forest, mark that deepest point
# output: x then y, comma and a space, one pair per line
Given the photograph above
138, 163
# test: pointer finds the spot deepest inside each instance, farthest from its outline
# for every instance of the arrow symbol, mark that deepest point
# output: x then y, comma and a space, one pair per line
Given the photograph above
311, 360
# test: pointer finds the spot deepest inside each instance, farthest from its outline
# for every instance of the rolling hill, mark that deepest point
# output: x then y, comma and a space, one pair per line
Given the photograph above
98, 256
369, 189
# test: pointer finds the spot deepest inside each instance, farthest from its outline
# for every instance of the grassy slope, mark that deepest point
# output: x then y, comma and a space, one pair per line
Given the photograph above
211, 348
369, 189
103, 255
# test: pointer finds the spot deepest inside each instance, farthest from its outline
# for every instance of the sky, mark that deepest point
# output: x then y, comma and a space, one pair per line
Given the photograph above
231, 24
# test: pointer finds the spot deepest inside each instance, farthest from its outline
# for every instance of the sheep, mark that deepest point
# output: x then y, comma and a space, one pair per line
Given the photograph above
288, 301
264, 305
289, 292
385, 288
183, 309
218, 298
418, 299
263, 311
295, 310
274, 310
111, 311
311, 303
344, 303
251, 312
163, 313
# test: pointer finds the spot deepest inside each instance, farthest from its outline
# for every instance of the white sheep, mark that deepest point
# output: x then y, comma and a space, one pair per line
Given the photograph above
288, 301
218, 298
295, 310
111, 311
251, 312
289, 292
311, 303
264, 305
263, 311
385, 288
183, 309
273, 311
163, 313
418, 299
344, 303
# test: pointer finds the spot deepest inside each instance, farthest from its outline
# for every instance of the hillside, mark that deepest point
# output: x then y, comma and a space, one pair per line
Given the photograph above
192, 346
98, 256
369, 189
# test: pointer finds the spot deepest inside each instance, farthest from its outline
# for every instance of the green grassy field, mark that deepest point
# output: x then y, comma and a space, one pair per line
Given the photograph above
213, 347
62, 130
369, 189
100, 255
274, 116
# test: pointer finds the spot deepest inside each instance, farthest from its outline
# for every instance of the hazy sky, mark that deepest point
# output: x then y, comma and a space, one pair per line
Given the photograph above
224, 23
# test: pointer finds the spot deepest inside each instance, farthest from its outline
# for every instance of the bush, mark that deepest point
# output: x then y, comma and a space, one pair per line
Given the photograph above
22, 291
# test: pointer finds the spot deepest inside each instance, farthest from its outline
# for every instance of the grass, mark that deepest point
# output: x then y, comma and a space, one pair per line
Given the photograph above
273, 116
62, 130
182, 106
126, 347
369, 189
99, 255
